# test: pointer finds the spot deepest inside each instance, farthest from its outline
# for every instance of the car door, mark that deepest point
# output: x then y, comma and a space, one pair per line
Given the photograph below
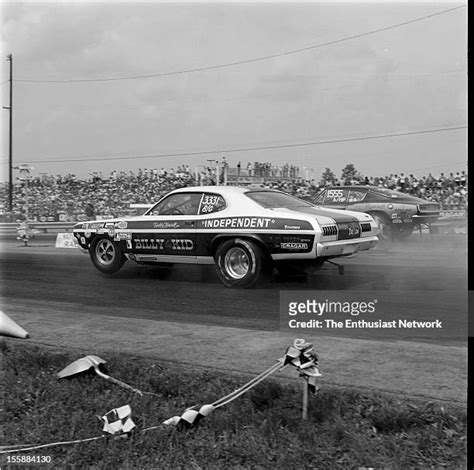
209, 214
167, 232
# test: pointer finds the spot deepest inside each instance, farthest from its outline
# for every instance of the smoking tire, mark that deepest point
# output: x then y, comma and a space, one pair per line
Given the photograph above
106, 255
239, 263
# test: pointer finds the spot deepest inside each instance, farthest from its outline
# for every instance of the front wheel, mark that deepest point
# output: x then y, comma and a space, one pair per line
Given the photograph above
384, 224
239, 263
106, 255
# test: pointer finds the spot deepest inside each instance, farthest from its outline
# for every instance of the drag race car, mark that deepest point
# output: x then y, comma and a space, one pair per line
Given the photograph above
397, 214
246, 232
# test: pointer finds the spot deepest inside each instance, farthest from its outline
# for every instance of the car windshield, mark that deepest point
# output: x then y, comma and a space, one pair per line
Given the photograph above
387, 192
274, 199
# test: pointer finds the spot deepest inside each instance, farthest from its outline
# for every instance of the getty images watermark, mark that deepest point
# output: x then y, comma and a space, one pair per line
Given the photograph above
342, 310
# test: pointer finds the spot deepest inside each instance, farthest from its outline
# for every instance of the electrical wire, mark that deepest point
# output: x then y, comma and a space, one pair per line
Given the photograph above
247, 149
245, 61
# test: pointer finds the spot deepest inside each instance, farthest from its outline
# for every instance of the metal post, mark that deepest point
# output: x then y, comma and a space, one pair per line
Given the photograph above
305, 400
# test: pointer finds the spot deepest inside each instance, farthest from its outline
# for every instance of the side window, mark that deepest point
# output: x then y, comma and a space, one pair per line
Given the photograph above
335, 196
178, 204
211, 203
356, 195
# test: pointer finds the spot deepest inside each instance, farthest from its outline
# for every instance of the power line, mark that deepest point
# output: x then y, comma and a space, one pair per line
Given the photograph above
246, 61
248, 149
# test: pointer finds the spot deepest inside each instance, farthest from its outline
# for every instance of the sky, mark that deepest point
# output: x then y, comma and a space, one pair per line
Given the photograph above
114, 86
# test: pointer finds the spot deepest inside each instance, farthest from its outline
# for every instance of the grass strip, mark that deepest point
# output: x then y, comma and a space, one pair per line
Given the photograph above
262, 429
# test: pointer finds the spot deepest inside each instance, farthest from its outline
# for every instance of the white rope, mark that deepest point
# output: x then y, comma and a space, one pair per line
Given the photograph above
42, 446
245, 388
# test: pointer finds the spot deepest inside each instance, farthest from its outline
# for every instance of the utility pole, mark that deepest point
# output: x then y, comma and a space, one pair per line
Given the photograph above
10, 149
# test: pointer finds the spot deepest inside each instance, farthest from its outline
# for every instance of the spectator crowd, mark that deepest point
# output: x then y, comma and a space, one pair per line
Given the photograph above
68, 198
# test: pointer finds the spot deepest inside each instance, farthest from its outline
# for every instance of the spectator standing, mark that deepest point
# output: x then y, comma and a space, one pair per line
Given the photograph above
90, 211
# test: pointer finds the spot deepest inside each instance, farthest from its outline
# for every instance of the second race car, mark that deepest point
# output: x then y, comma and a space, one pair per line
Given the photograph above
397, 214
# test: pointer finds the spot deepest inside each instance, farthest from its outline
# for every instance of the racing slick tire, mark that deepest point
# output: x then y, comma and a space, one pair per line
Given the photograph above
384, 224
106, 255
239, 263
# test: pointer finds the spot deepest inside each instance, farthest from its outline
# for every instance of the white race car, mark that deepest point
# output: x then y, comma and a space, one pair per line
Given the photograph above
246, 232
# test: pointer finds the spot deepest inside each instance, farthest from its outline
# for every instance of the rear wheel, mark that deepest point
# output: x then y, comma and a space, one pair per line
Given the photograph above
106, 255
239, 263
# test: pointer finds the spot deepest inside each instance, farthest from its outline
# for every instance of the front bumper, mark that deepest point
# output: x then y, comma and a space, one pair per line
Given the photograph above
345, 247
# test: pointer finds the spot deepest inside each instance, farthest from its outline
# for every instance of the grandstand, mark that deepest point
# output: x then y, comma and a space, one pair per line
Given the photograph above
66, 198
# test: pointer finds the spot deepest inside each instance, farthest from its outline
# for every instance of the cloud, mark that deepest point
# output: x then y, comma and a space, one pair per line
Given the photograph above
49, 37
357, 87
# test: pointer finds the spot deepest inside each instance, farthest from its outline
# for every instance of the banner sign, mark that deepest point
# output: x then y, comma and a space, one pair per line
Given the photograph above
66, 240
